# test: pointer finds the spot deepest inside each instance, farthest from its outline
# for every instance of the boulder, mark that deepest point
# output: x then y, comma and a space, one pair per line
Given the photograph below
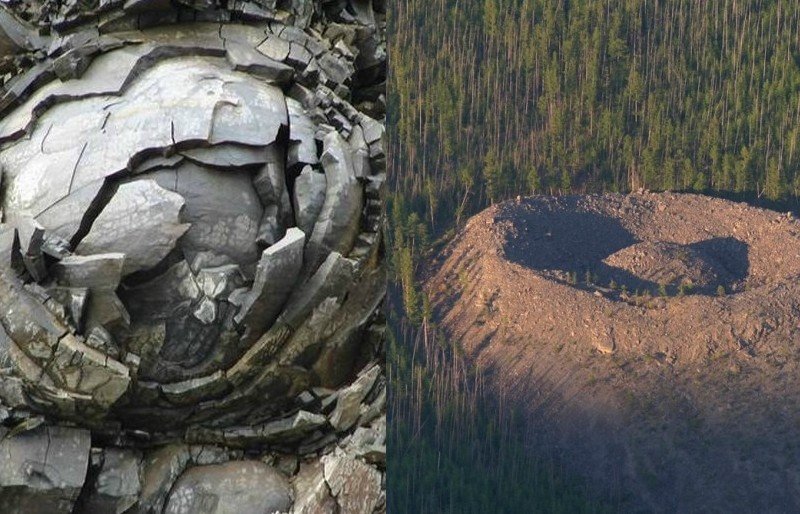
141, 221
309, 196
42, 471
276, 275
116, 484
241, 487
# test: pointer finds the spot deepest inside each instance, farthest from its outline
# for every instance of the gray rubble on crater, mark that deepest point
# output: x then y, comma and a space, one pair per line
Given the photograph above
191, 261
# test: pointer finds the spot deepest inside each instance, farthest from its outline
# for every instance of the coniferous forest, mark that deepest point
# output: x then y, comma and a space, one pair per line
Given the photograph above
490, 99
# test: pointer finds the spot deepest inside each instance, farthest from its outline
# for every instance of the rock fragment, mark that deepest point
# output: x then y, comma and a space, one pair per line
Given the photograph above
276, 275
42, 471
355, 485
312, 493
95, 272
348, 405
141, 221
309, 197
337, 226
116, 484
243, 487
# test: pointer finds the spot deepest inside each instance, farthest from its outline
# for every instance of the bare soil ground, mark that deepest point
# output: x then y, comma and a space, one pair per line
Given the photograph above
652, 339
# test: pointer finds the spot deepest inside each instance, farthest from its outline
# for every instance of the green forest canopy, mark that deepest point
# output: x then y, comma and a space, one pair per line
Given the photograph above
494, 98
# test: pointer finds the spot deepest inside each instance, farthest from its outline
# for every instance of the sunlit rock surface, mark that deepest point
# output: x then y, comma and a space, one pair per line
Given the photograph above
191, 265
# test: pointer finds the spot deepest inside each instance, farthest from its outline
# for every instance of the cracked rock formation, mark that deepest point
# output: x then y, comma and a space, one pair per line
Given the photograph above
191, 264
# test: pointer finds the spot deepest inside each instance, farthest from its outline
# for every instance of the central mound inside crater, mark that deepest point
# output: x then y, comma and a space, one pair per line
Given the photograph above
614, 245
702, 267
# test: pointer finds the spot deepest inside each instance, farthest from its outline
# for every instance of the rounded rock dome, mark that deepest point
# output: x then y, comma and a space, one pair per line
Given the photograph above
183, 224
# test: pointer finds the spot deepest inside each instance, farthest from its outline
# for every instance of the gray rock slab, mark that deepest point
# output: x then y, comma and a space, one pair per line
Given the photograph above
348, 404
275, 48
106, 310
72, 64
262, 11
5, 350
28, 323
270, 183
42, 471
35, 180
158, 162
312, 494
337, 69
200, 37
299, 55
160, 469
292, 428
355, 485
75, 300
140, 6
270, 229
369, 443
106, 75
141, 221
234, 33
31, 235
303, 145
252, 114
82, 369
102, 341
245, 58
374, 131
330, 280
96, 272
218, 283
146, 340
309, 196
224, 211
195, 390
116, 485
227, 156
64, 217
10, 256
338, 223
239, 487
276, 276
360, 152
31, 239
17, 35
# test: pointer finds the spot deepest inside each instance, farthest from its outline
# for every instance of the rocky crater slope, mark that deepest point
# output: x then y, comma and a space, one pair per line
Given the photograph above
653, 341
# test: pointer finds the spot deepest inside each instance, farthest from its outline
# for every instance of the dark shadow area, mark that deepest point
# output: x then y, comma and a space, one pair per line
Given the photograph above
564, 239
570, 246
729, 252
724, 257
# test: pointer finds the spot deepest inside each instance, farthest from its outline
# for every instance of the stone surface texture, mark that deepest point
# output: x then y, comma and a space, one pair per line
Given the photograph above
191, 261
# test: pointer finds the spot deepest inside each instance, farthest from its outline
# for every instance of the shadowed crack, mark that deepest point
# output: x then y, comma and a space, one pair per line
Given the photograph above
104, 196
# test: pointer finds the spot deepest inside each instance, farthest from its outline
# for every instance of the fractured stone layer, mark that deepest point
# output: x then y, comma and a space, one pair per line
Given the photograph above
190, 253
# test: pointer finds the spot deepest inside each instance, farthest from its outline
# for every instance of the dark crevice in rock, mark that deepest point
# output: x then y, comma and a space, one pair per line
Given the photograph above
144, 276
104, 196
